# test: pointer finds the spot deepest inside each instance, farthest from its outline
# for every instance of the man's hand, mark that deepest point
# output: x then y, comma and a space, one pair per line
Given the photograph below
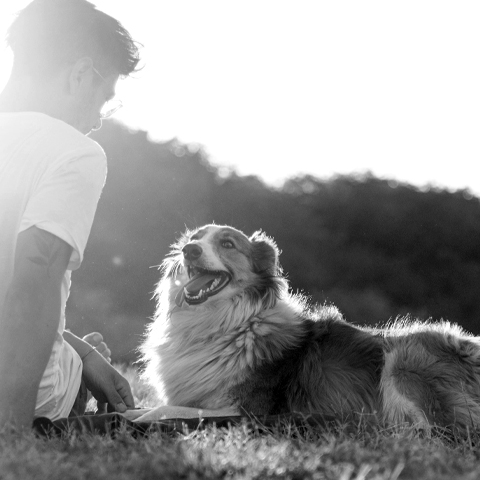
105, 383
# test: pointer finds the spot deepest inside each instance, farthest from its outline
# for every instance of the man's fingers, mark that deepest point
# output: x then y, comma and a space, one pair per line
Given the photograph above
121, 398
101, 408
94, 338
126, 393
115, 401
120, 407
104, 350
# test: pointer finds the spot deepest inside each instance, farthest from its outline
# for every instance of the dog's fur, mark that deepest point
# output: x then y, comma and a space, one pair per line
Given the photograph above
253, 347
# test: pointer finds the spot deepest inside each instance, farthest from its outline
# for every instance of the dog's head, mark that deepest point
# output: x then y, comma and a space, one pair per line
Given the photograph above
219, 262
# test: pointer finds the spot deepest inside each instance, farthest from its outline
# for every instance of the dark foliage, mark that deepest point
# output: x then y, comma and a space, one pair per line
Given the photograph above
375, 248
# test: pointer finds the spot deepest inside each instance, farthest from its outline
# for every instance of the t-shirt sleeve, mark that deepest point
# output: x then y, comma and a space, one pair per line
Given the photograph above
65, 200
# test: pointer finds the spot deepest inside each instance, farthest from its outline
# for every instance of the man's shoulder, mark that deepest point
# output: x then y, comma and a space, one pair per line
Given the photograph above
67, 137
44, 130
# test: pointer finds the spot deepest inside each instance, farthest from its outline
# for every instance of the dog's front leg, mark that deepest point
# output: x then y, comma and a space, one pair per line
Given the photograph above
166, 411
132, 415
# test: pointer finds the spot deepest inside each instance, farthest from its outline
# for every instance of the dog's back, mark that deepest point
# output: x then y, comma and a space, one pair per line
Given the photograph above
411, 373
335, 370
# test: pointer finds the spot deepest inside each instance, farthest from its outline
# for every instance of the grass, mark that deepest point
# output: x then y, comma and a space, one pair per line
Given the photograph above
240, 453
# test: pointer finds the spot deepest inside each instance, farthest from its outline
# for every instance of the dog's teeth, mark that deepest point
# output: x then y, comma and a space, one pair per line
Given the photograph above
213, 285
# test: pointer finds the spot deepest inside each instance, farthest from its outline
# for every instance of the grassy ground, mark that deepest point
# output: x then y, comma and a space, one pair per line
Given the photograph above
239, 453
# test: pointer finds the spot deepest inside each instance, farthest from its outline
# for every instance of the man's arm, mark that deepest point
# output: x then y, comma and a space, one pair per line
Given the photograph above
29, 321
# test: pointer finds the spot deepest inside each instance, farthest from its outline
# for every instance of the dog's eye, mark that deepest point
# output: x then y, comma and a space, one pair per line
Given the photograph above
227, 244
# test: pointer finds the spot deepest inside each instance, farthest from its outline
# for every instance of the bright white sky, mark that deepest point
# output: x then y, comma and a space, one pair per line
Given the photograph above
276, 87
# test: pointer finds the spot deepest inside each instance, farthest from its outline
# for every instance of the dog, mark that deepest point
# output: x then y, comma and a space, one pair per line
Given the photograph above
229, 338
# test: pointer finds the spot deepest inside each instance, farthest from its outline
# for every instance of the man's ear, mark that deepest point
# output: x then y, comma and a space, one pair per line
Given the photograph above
80, 73
265, 254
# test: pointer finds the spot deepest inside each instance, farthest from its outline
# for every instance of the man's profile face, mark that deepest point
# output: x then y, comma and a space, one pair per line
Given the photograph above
93, 98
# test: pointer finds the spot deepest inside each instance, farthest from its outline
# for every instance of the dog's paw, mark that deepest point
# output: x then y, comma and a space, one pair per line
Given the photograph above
169, 412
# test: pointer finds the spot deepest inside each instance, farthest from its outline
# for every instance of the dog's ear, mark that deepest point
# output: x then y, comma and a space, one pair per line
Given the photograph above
265, 254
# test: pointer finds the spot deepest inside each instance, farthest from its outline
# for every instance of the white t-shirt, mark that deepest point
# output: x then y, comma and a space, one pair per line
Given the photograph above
51, 176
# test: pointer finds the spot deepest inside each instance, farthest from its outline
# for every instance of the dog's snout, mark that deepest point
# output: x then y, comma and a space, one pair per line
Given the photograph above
192, 251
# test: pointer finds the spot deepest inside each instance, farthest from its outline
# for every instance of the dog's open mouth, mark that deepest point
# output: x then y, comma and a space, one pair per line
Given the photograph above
202, 285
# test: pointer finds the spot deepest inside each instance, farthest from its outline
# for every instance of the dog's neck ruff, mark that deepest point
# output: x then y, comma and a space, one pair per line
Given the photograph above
233, 318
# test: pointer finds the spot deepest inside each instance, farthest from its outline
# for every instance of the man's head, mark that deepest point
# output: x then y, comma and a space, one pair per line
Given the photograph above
49, 34
70, 47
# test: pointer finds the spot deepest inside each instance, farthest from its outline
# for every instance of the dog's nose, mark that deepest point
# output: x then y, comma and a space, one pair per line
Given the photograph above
192, 251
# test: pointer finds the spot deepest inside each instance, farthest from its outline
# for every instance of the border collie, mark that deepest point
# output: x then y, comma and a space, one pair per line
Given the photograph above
229, 338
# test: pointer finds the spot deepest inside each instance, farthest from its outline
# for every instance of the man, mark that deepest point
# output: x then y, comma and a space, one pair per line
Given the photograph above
68, 57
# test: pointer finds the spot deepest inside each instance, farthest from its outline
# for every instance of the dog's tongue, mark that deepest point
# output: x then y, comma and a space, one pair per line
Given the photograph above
198, 281
194, 285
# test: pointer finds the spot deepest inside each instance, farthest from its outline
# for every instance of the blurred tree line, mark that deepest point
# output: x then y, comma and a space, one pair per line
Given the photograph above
375, 248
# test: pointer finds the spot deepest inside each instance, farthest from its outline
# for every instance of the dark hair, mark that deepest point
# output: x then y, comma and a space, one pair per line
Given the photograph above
48, 34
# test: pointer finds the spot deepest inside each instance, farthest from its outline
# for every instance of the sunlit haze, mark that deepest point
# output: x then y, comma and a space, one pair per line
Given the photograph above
277, 88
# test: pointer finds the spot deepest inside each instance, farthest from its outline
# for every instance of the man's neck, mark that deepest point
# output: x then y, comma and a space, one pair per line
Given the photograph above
23, 94
15, 96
